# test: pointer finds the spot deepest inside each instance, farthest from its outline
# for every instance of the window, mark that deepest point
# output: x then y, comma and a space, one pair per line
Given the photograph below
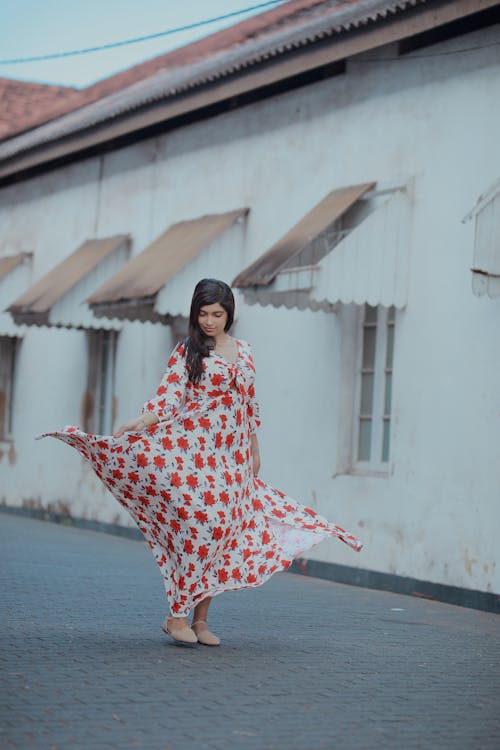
372, 431
9, 347
486, 263
99, 401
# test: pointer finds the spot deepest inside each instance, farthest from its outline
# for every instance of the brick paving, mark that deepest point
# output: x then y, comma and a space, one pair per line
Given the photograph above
304, 664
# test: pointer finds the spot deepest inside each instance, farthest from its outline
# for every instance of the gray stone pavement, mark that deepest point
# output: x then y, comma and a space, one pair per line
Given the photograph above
304, 664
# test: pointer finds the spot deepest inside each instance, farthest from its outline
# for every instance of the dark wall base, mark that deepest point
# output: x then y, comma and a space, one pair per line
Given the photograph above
80, 523
371, 579
368, 579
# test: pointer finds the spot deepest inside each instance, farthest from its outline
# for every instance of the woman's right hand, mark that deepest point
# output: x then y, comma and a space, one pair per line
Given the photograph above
135, 425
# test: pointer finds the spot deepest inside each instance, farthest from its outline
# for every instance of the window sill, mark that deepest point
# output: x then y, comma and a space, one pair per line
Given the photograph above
359, 472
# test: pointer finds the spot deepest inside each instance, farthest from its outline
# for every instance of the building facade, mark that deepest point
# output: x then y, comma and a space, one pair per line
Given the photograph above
346, 212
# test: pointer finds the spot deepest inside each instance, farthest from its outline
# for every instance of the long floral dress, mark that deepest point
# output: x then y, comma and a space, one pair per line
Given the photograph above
188, 483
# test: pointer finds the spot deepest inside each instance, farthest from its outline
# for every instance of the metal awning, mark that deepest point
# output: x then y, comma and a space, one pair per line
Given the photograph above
361, 256
15, 271
157, 284
57, 298
317, 221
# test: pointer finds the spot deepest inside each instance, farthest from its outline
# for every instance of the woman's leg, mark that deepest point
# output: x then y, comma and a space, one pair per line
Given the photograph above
201, 610
200, 626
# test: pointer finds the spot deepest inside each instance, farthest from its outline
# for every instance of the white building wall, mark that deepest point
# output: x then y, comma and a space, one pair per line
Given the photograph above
434, 120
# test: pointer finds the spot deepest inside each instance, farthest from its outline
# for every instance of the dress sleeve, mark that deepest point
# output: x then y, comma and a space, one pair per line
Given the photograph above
253, 408
170, 393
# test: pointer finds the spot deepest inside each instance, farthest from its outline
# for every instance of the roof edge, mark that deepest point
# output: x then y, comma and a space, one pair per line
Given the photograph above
226, 85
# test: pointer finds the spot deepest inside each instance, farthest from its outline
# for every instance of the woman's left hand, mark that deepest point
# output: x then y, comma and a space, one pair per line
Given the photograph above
255, 455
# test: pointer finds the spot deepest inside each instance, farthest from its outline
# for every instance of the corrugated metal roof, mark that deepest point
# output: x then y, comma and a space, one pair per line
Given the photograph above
312, 225
10, 262
35, 304
145, 274
322, 20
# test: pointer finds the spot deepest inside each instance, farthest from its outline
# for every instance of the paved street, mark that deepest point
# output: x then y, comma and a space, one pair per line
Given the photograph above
304, 664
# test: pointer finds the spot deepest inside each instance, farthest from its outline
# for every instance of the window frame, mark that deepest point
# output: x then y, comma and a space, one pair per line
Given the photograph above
382, 371
7, 417
100, 398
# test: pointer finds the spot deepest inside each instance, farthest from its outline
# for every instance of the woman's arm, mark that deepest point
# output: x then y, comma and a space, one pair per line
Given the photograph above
255, 454
137, 425
169, 395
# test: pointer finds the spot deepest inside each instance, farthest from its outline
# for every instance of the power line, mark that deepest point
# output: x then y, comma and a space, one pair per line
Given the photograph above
136, 40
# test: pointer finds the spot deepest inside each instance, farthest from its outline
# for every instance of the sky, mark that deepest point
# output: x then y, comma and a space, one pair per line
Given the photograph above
38, 27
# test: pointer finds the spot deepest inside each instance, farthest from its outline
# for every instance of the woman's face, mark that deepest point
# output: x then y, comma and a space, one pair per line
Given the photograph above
212, 319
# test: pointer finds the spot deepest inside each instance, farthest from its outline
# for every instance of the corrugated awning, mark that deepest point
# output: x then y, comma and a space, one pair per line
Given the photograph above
363, 261
56, 297
14, 276
262, 271
141, 289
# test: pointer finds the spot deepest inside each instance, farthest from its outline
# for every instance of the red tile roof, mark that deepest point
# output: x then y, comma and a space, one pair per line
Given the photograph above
26, 105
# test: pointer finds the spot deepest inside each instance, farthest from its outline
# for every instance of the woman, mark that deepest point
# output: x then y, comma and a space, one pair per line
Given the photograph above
186, 470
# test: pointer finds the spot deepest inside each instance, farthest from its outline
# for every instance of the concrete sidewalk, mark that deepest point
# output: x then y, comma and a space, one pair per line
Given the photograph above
304, 664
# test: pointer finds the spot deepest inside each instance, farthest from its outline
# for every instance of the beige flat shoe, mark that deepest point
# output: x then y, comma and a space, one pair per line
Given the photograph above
182, 635
205, 636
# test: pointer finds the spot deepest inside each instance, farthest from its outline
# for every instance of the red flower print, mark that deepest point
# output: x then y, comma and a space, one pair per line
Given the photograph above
222, 575
173, 378
159, 461
198, 461
262, 569
251, 578
208, 498
175, 479
239, 457
161, 390
216, 379
204, 423
229, 439
182, 583
203, 551
256, 504
236, 574
132, 439
117, 474
175, 525
167, 443
224, 497
182, 513
189, 425
200, 516
218, 440
238, 477
192, 481
182, 443
228, 478
142, 459
212, 462
278, 513
266, 537
161, 518
309, 511
217, 533
246, 553
188, 546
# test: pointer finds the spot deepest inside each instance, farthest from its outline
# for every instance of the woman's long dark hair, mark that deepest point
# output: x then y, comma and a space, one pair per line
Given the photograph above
198, 344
